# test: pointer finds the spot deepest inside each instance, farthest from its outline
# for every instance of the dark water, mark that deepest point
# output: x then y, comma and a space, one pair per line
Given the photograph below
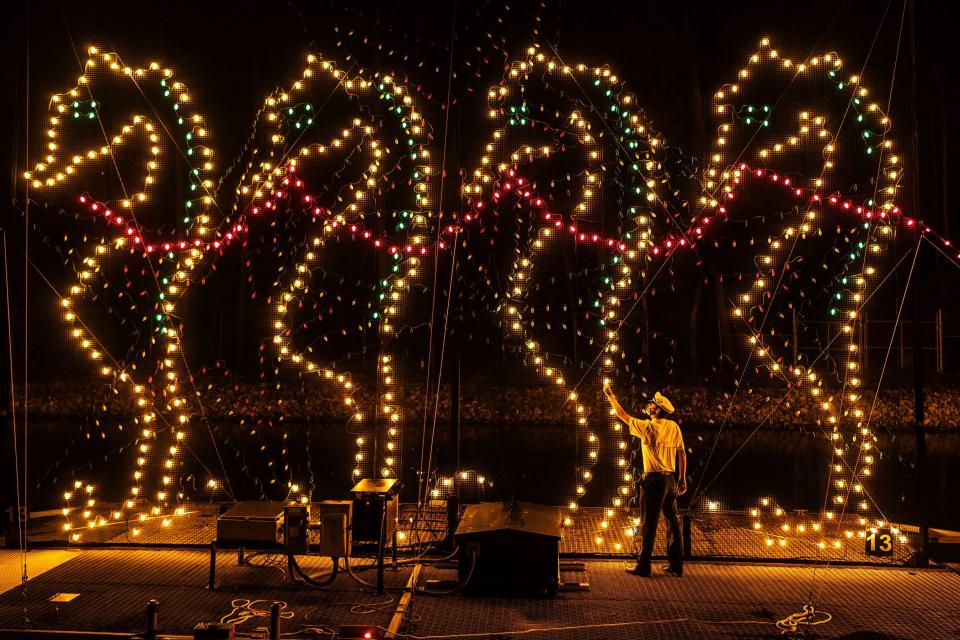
789, 467
528, 462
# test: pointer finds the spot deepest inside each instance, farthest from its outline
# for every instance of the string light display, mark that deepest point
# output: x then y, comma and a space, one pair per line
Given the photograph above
804, 164
573, 154
873, 126
164, 422
279, 177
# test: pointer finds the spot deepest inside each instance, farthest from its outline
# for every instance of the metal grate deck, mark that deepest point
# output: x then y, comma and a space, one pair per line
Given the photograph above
710, 601
115, 585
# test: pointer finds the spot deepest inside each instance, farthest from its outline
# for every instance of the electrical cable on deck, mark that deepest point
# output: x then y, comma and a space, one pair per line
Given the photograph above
327, 580
460, 587
798, 623
245, 610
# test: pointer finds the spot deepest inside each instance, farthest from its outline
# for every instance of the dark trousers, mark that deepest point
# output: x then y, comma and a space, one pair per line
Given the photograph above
658, 493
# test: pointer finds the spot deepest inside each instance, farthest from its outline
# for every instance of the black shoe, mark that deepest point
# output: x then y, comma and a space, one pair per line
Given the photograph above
639, 571
675, 571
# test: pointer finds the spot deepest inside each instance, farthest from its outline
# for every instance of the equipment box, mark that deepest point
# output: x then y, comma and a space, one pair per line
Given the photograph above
509, 548
371, 497
251, 523
334, 518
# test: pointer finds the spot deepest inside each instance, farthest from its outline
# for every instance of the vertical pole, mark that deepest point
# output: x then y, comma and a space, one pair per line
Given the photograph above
212, 577
919, 433
939, 340
275, 621
453, 519
393, 549
7, 458
455, 409
795, 328
453, 500
383, 541
24, 517
918, 399
153, 619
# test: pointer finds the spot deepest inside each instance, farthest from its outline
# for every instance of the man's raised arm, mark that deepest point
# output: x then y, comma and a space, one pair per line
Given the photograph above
621, 412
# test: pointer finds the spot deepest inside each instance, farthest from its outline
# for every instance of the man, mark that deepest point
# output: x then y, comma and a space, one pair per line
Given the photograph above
664, 461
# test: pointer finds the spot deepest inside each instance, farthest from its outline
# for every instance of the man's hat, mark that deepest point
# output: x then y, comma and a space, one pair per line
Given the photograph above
661, 401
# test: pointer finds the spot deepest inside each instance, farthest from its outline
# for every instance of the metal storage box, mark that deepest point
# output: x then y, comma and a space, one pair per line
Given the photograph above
251, 523
510, 548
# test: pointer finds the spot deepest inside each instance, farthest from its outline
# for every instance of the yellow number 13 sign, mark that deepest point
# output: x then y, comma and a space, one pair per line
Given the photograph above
879, 542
